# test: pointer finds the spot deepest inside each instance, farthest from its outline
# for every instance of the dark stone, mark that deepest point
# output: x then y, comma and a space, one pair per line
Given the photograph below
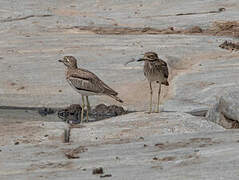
102, 111
98, 170
16, 143
71, 113
45, 111
106, 175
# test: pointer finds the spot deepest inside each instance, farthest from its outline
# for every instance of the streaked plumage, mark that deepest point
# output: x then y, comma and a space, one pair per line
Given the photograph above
155, 69
85, 82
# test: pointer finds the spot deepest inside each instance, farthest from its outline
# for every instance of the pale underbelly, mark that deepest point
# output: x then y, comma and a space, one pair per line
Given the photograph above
156, 77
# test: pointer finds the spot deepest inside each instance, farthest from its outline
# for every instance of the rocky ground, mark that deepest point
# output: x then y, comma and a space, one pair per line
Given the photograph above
178, 143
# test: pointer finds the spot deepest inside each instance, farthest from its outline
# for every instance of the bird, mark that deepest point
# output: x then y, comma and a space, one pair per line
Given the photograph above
155, 69
86, 83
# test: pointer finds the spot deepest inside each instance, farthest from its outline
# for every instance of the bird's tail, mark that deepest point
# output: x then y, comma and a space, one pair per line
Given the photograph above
116, 98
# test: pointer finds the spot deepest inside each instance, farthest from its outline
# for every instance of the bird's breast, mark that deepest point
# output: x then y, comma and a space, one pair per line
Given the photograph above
152, 73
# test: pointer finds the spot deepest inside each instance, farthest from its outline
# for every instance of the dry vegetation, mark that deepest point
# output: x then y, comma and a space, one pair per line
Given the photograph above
219, 28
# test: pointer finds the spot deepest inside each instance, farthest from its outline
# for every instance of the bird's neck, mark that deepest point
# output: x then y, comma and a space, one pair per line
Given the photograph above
149, 64
154, 60
72, 67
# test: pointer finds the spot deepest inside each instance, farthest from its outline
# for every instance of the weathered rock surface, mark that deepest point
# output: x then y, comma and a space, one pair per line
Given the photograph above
229, 104
226, 110
171, 145
136, 125
143, 155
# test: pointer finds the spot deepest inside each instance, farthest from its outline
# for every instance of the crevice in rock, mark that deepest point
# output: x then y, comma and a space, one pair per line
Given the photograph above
208, 12
23, 18
187, 14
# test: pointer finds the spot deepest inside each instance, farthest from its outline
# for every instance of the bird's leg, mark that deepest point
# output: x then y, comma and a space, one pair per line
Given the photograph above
88, 108
151, 96
157, 110
82, 108
88, 103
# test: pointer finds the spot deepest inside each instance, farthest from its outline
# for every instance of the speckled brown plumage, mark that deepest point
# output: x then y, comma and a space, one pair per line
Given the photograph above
85, 82
155, 69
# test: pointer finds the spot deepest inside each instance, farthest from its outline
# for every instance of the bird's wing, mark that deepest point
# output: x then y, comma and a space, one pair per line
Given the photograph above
162, 66
85, 80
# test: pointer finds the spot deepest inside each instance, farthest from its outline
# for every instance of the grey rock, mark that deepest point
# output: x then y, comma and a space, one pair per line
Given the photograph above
225, 111
198, 112
229, 104
140, 124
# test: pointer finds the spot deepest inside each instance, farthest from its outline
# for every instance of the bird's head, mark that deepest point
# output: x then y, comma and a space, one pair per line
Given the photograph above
69, 61
149, 56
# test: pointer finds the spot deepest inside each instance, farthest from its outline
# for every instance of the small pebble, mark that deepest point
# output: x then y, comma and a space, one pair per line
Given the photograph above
155, 158
98, 171
106, 175
141, 138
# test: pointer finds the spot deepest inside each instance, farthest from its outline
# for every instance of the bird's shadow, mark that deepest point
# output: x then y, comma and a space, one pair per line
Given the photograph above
72, 114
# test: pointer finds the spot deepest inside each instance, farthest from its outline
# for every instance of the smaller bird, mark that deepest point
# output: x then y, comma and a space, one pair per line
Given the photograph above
86, 83
155, 69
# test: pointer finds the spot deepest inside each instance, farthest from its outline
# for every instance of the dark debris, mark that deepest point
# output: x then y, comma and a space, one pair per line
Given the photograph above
229, 46
106, 175
72, 113
98, 170
102, 111
46, 111
74, 153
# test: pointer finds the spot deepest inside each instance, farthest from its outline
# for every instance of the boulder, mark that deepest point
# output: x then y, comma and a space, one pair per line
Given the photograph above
225, 111
229, 104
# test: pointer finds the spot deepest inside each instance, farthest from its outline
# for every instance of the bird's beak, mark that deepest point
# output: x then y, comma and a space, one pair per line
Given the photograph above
60, 60
141, 59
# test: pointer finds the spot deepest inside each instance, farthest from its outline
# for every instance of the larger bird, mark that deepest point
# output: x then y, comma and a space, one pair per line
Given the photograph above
86, 83
155, 69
